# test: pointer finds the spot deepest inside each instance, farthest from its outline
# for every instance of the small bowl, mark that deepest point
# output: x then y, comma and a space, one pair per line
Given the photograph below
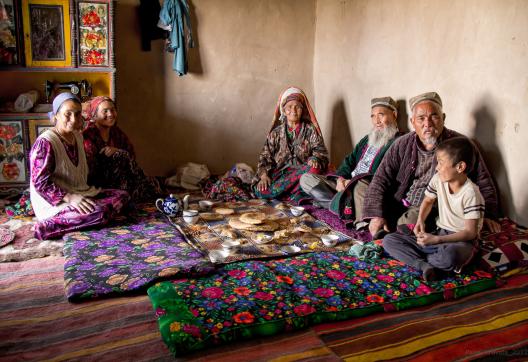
330, 239
263, 239
290, 249
218, 256
205, 205
297, 210
231, 244
190, 216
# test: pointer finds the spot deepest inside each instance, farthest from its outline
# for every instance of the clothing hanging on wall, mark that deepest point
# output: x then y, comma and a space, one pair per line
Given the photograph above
148, 12
175, 17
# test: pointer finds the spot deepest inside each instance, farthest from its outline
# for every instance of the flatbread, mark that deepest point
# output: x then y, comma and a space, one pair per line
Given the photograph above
211, 216
265, 226
253, 217
237, 224
224, 211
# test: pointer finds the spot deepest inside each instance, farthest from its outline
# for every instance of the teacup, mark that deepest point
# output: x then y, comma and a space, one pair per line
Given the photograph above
205, 205
297, 210
330, 239
190, 216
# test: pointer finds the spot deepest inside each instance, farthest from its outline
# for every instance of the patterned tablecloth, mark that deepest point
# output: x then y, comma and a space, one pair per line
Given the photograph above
291, 235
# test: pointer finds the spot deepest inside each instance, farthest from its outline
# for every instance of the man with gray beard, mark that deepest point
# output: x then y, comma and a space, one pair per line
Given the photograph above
343, 193
397, 190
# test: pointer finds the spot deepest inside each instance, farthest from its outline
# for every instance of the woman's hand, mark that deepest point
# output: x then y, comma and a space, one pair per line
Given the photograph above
264, 183
341, 184
80, 203
108, 151
314, 163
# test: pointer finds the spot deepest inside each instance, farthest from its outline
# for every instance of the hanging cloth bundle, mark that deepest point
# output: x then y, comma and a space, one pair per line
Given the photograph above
175, 17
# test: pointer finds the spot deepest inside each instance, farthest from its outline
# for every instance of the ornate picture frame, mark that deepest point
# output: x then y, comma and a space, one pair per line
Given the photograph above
47, 33
13, 153
10, 34
94, 31
36, 127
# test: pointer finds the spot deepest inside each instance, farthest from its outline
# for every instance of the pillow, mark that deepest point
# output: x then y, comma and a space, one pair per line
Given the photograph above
264, 297
505, 250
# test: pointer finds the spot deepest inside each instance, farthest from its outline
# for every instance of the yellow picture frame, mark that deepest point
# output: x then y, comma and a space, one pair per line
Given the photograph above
36, 127
47, 33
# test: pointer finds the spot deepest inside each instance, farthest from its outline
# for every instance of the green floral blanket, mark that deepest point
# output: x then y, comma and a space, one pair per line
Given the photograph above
265, 297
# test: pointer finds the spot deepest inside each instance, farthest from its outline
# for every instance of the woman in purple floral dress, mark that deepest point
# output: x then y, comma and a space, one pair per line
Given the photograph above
60, 195
110, 155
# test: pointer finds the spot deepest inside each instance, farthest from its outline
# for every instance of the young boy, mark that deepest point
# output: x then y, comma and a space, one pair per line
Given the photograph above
461, 213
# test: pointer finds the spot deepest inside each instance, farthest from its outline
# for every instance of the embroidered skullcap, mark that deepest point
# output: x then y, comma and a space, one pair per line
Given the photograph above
94, 104
385, 102
429, 96
59, 100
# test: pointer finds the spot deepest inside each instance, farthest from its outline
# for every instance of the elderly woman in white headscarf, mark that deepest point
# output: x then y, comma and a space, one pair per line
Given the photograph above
293, 147
60, 195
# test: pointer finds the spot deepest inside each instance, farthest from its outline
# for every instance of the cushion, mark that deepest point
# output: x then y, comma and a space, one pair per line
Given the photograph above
264, 297
128, 256
507, 249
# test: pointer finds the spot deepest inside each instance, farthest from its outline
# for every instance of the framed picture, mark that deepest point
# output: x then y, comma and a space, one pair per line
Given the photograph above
13, 153
93, 20
10, 31
36, 127
47, 33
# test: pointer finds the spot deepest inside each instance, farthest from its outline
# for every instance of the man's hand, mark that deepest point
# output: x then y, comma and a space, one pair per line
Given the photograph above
80, 203
376, 224
424, 239
264, 183
492, 225
419, 228
341, 184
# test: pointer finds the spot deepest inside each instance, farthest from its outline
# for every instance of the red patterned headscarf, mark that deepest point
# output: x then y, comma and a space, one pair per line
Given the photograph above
94, 104
294, 93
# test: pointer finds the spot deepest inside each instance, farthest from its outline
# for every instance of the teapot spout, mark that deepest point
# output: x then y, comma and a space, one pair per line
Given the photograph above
186, 202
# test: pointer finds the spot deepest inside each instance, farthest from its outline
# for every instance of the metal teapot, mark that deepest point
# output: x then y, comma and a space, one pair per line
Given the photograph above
172, 206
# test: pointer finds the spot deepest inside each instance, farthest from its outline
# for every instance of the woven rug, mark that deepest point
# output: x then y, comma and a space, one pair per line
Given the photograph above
37, 323
488, 326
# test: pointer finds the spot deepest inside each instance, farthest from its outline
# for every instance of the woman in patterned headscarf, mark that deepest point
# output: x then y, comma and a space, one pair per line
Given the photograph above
61, 197
293, 147
110, 155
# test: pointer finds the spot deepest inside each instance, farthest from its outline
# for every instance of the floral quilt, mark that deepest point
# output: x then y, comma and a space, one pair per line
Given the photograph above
126, 258
264, 297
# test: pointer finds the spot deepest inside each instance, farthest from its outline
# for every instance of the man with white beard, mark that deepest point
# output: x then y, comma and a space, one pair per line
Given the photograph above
397, 190
343, 192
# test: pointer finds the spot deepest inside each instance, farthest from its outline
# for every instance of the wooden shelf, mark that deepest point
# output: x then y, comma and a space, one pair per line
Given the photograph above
58, 69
